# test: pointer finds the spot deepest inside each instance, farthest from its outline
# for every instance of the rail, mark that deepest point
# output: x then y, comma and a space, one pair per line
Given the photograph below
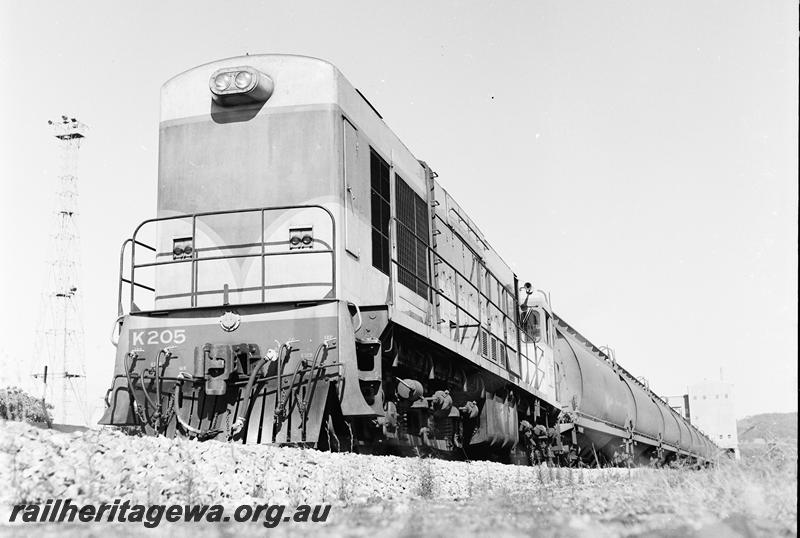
195, 258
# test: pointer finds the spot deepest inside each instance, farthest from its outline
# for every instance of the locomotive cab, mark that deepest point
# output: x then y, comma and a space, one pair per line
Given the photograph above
536, 323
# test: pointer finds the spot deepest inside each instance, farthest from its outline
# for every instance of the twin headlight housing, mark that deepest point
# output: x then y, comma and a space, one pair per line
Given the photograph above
240, 85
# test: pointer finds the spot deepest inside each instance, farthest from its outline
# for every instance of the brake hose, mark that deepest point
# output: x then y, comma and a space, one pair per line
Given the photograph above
281, 364
279, 413
317, 354
200, 434
321, 352
323, 347
132, 392
240, 415
157, 377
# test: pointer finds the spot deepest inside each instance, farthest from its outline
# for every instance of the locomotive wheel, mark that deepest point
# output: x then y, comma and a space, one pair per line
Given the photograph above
335, 437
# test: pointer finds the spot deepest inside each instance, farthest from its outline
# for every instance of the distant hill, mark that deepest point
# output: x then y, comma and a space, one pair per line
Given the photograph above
780, 427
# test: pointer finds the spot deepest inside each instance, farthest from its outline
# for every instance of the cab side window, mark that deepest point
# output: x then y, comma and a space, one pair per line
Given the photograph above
531, 325
548, 329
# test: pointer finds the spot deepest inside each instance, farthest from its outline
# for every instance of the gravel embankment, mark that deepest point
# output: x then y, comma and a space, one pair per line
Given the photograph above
378, 496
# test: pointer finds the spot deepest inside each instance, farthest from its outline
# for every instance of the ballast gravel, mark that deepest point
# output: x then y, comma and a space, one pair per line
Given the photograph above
370, 495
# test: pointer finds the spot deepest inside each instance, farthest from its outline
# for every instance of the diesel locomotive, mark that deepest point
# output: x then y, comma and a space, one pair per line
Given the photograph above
306, 280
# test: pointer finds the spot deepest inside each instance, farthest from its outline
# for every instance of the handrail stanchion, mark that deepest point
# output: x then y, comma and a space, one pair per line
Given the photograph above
120, 309
394, 279
193, 264
333, 253
458, 307
263, 262
133, 271
516, 325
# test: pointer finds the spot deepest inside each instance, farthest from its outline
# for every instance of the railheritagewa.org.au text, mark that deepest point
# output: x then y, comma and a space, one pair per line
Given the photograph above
153, 515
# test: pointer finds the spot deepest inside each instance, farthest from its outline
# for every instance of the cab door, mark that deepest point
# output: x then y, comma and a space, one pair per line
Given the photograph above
352, 197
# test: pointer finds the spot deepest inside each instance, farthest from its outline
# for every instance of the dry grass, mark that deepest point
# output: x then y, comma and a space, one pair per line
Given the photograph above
16, 404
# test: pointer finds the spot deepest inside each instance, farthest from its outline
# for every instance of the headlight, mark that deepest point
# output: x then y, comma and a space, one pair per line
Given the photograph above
240, 85
243, 79
222, 81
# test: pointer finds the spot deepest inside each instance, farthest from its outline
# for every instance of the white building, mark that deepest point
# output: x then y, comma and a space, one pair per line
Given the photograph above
712, 410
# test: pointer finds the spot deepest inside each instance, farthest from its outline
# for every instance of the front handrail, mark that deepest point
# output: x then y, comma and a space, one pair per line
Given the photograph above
195, 259
123, 280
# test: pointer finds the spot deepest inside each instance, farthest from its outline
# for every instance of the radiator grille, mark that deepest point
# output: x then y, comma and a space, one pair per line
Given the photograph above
412, 238
380, 212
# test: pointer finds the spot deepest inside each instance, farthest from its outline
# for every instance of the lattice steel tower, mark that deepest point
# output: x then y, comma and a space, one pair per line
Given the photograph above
59, 351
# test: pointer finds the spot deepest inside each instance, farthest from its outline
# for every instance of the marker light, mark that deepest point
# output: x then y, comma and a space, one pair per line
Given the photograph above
240, 85
181, 248
301, 237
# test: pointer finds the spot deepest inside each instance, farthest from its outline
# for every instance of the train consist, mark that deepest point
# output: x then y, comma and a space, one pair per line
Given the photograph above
308, 281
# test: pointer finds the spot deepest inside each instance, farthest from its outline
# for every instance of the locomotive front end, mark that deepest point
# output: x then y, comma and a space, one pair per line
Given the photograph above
259, 374
229, 324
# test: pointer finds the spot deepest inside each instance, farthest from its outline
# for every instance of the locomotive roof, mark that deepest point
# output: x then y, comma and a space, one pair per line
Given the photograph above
272, 55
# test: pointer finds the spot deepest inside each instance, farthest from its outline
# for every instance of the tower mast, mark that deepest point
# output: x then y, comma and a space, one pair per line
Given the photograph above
59, 363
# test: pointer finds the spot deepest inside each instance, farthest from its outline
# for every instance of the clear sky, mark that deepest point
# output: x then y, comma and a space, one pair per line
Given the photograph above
636, 159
